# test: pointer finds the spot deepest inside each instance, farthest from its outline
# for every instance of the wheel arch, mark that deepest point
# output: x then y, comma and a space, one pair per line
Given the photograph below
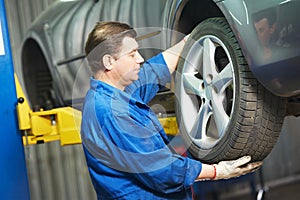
191, 12
36, 73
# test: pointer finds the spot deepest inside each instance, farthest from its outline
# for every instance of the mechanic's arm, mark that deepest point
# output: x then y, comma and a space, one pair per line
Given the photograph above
228, 169
172, 54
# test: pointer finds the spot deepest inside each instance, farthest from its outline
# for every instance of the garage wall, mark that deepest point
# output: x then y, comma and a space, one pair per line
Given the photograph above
282, 166
54, 172
57, 172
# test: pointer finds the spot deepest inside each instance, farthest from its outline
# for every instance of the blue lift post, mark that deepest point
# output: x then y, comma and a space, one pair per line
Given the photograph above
13, 174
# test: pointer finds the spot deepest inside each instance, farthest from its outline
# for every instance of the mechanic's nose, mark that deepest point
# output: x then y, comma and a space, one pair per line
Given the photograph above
139, 58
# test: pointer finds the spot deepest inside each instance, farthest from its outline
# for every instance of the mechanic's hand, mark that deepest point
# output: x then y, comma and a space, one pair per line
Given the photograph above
235, 168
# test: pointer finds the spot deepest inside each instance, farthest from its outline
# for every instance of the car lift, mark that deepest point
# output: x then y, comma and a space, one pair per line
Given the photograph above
45, 126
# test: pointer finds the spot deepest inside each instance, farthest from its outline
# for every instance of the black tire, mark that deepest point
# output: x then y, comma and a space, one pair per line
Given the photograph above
222, 111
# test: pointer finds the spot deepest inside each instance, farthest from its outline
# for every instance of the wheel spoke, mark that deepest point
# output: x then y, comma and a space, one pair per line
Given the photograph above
209, 65
192, 84
222, 80
199, 128
220, 115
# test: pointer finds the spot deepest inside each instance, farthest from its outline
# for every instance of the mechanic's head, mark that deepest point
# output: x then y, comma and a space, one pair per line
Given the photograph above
106, 39
265, 24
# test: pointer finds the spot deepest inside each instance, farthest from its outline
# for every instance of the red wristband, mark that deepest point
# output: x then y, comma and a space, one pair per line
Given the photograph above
215, 172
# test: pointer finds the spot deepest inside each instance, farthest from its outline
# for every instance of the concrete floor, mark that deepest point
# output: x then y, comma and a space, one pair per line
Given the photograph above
290, 191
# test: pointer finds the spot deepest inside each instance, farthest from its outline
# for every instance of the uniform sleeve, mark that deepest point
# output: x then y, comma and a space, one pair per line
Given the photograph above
153, 75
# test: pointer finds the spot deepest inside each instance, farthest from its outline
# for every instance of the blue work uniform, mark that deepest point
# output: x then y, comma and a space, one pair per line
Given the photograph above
126, 148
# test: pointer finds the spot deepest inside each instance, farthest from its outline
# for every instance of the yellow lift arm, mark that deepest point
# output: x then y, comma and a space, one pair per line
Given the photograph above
45, 126
60, 123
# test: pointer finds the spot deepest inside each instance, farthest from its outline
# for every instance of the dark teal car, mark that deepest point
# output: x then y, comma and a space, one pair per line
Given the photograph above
238, 76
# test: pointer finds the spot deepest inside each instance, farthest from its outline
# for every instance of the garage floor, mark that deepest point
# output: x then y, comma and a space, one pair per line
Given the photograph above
290, 191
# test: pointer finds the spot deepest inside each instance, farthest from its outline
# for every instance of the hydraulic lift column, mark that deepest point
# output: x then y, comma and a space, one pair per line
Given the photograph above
13, 174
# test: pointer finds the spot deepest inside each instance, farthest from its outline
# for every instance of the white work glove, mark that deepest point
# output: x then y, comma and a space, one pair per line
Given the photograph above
235, 168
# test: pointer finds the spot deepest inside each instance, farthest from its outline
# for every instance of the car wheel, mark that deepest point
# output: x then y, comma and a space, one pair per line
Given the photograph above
222, 111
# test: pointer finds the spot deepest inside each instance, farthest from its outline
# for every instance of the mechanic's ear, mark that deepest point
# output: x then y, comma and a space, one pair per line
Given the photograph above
107, 61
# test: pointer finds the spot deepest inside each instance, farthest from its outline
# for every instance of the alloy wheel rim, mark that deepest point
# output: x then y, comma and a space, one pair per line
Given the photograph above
207, 91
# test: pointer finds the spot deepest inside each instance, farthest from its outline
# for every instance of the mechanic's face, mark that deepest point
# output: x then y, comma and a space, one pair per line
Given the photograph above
127, 65
264, 31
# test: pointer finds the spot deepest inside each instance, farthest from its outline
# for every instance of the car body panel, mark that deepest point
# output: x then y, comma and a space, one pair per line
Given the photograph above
276, 64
